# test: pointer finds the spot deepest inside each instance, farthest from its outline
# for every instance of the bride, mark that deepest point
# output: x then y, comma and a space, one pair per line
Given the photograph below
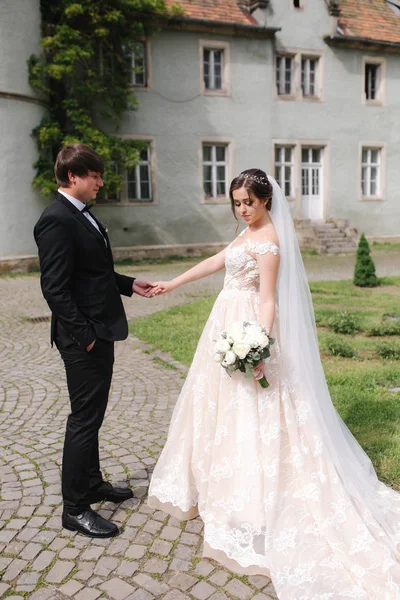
282, 486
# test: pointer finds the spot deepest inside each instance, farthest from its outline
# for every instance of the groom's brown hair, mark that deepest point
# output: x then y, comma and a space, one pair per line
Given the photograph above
79, 159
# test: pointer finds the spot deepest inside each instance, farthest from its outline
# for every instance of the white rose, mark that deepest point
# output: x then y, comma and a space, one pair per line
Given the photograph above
222, 346
251, 339
230, 358
241, 349
235, 331
218, 357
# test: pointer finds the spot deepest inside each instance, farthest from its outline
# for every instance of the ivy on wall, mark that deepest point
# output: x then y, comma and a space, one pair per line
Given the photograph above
84, 73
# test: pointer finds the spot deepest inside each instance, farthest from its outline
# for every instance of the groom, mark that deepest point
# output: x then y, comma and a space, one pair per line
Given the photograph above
84, 295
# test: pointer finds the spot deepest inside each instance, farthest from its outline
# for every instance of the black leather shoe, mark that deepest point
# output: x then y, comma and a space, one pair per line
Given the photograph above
113, 494
90, 523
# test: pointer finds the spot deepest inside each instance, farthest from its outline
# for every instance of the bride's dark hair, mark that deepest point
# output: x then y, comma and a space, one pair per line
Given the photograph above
257, 184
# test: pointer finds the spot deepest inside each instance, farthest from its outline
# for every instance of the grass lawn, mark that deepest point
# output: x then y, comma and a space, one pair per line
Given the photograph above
358, 385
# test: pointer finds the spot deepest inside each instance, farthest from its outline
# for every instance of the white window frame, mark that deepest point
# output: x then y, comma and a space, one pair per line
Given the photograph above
282, 74
381, 180
281, 164
147, 67
297, 55
226, 82
123, 194
298, 145
228, 144
308, 59
380, 62
136, 168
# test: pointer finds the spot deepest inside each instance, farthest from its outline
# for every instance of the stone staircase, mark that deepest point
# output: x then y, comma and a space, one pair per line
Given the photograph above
333, 236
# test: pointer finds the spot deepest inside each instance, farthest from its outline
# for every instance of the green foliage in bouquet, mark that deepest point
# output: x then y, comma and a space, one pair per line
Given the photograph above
364, 272
84, 74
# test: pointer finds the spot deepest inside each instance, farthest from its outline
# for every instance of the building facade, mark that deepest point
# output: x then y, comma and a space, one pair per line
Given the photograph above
308, 90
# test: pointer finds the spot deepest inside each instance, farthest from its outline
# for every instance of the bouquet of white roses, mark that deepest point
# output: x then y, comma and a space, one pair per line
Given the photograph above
241, 347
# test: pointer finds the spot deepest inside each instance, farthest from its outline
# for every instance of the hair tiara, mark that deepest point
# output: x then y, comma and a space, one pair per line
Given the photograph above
262, 180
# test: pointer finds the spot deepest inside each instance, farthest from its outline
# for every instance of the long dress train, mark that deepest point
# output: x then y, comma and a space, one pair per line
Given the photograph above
251, 463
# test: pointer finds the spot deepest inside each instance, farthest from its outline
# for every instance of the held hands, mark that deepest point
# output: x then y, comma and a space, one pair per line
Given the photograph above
161, 287
142, 287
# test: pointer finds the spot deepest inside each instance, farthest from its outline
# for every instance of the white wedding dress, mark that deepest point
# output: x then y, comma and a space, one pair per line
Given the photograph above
255, 464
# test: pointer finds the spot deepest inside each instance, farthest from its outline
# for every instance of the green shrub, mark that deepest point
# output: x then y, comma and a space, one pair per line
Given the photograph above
384, 328
344, 322
364, 272
388, 350
337, 346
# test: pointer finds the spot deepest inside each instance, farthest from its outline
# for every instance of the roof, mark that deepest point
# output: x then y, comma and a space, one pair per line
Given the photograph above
222, 11
371, 20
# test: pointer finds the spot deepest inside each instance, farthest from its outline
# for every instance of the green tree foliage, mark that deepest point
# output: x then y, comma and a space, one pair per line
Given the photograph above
364, 272
84, 74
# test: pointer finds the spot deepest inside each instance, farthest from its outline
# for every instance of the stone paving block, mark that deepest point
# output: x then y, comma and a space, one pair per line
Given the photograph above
85, 570
7, 536
204, 568
44, 594
16, 524
219, 596
155, 565
14, 569
92, 553
136, 520
219, 578
105, 565
117, 589
88, 594
170, 533
259, 581
182, 581
152, 526
68, 553
118, 546
262, 597
127, 568
3, 588
202, 590
58, 544
189, 539
140, 595
143, 537
44, 559
15, 548
136, 551
237, 588
157, 588
71, 587
177, 564
161, 547
176, 595
28, 578
195, 526
184, 552
60, 571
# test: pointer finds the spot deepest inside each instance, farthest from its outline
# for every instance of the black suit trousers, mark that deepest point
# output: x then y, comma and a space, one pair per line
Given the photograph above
89, 378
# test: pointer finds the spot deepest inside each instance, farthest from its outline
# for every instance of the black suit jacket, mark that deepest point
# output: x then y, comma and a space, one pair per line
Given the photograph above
77, 276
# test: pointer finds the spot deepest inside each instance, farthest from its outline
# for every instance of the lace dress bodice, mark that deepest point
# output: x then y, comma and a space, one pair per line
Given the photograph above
241, 267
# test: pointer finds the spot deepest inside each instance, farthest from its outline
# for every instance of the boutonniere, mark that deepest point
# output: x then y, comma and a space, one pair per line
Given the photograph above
104, 226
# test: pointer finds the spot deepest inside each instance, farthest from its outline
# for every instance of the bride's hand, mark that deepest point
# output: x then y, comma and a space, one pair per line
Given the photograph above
259, 370
161, 287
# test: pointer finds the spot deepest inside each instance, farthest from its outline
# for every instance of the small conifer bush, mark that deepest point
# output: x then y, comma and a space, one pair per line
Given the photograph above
364, 272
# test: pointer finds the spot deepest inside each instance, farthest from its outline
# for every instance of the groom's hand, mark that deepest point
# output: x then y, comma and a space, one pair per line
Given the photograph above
88, 348
141, 287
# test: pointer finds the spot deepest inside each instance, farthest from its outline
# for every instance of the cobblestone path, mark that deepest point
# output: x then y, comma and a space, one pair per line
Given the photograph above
155, 556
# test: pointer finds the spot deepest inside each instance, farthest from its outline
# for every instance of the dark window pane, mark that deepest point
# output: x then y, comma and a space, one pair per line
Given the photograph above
207, 152
365, 156
288, 154
316, 155
144, 190
221, 174
207, 173
277, 154
206, 55
144, 154
220, 150
221, 188
208, 188
304, 155
217, 57
374, 156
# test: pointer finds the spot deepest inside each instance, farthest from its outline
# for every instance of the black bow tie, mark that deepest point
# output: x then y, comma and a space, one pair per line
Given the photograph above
87, 207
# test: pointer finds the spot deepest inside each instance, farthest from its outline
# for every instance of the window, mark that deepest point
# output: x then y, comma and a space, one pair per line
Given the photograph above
215, 170
213, 63
214, 56
284, 168
374, 80
139, 65
284, 75
138, 179
371, 172
297, 3
309, 76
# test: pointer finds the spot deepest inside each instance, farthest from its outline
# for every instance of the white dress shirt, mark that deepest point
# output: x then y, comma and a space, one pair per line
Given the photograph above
80, 206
